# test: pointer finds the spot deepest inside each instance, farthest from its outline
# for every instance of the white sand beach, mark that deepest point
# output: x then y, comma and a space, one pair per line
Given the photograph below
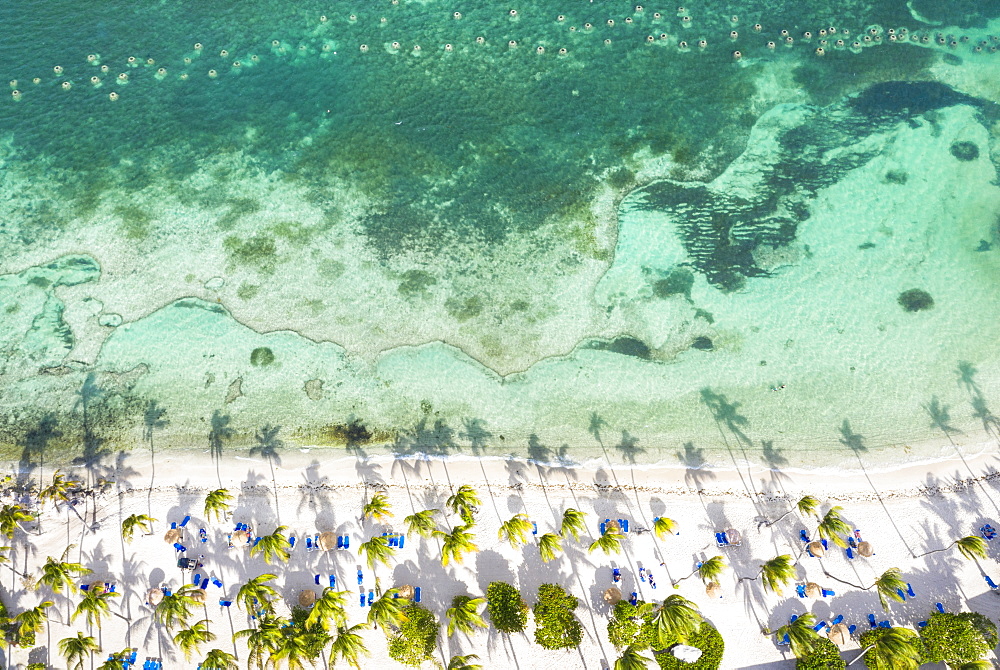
902, 513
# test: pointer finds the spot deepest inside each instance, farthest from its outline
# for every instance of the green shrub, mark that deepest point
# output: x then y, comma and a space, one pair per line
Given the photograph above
707, 639
825, 656
556, 625
630, 625
957, 638
508, 612
416, 639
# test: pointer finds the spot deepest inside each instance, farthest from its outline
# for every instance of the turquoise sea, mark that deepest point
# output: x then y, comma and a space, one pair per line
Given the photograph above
761, 231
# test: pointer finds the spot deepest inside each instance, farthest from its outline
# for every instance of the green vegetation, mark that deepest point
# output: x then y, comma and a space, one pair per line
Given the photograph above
464, 615
556, 625
258, 253
377, 508
708, 639
416, 638
261, 357
891, 649
507, 610
631, 625
217, 503
134, 521
956, 639
825, 655
134, 221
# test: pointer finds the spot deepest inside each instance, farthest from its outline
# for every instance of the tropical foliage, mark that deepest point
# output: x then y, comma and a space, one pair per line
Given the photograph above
801, 635
216, 659
464, 663
556, 627
421, 523
256, 595
956, 639
348, 646
456, 544
972, 547
175, 609
889, 585
515, 530
707, 639
507, 610
833, 528
891, 649
663, 527
59, 574
192, 637
329, 609
573, 523
631, 659
134, 521
76, 650
675, 619
825, 655
776, 573
631, 625
464, 615
376, 550
59, 488
217, 504
11, 518
807, 506
29, 623
387, 610
465, 503
416, 638
377, 508
711, 569
93, 606
610, 542
274, 547
549, 545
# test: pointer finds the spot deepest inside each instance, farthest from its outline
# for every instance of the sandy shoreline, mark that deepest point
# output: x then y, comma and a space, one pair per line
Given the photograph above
905, 511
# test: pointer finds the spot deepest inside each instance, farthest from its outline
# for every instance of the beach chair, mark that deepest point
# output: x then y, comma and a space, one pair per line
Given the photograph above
988, 532
217, 582
793, 618
401, 539
901, 594
849, 552
362, 599
347, 542
821, 624
225, 603
416, 594
340, 542
800, 590
720, 540
822, 541
316, 580
131, 658
871, 621
177, 546
921, 624
112, 588
361, 577
173, 525
940, 607
84, 587
884, 624
784, 642
634, 599
203, 534
333, 581
185, 521
642, 574
166, 591
256, 541
604, 528
909, 590
291, 542
990, 582
204, 584
625, 524
852, 629
803, 536
829, 592
309, 544
616, 575
839, 619
371, 596
316, 540
534, 528
197, 579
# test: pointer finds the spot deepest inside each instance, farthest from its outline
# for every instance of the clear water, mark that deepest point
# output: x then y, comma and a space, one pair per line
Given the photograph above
277, 216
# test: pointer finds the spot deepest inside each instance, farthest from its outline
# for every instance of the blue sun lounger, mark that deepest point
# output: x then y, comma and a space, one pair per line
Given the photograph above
401, 539
217, 582
604, 528
340, 542
371, 596
839, 619
909, 590
821, 624
203, 534
785, 641
720, 540
633, 599
316, 580
347, 542
884, 624
204, 584
309, 544
828, 592
416, 594
921, 624
534, 528
852, 629
901, 594
225, 603
871, 621
362, 599
361, 577
988, 532
197, 579
291, 542
940, 607
333, 581
185, 521
990, 582
803, 535
849, 552
800, 589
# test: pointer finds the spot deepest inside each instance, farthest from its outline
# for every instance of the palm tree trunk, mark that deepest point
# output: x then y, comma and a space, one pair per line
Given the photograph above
862, 654
274, 483
152, 478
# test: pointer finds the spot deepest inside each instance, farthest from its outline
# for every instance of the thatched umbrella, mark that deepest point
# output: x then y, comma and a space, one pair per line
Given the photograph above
154, 597
816, 549
733, 536
612, 595
405, 591
813, 590
865, 549
173, 536
713, 590
197, 595
327, 541
307, 598
839, 634
240, 537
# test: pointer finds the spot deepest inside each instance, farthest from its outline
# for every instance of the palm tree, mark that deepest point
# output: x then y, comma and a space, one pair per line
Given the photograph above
152, 419
329, 607
888, 585
217, 436
189, 639
800, 634
216, 659
115, 661
273, 546
515, 530
777, 573
464, 616
348, 645
134, 521
663, 527
217, 504
456, 544
93, 606
267, 446
263, 640
257, 594
421, 523
76, 649
58, 575
573, 523
675, 620
298, 650
386, 610
175, 608
806, 506
981, 664
377, 550
464, 663
833, 528
896, 648
59, 488
465, 503
610, 542
711, 570
549, 545
32, 620
377, 508
11, 517
971, 546
631, 660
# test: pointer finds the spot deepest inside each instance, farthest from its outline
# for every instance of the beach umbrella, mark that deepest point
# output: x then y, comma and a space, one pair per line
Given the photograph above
405, 591
839, 634
816, 549
327, 541
865, 549
240, 537
307, 598
713, 590
612, 595
97, 586
197, 595
734, 536
813, 590
173, 535
154, 597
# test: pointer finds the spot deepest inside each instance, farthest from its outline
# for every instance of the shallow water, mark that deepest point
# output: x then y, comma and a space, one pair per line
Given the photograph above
525, 236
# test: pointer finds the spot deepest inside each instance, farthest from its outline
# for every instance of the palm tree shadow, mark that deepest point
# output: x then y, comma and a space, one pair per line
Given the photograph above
980, 410
726, 414
774, 459
693, 460
435, 440
34, 443
629, 448
474, 430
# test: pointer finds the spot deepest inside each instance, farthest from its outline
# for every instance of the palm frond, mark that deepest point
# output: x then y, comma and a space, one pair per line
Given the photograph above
663, 527
421, 523
377, 508
549, 545
573, 523
972, 547
777, 573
